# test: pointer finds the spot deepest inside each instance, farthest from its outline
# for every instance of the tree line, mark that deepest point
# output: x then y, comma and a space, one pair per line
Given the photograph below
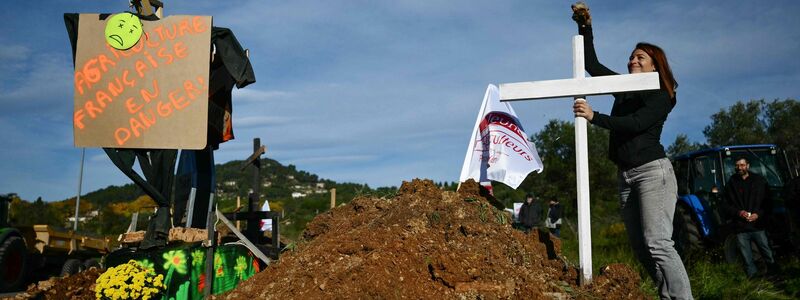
115, 205
753, 122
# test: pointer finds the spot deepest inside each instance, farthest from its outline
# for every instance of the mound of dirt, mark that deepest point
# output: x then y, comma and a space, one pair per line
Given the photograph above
617, 281
77, 286
426, 243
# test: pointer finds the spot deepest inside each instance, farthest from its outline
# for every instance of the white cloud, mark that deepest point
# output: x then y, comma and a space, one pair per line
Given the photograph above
44, 89
12, 53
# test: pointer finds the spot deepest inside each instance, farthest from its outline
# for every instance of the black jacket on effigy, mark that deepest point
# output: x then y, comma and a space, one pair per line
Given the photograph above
636, 119
749, 195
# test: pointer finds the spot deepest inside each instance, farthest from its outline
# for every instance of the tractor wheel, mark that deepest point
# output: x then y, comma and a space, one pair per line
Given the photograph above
733, 254
731, 249
91, 263
685, 233
71, 266
13, 264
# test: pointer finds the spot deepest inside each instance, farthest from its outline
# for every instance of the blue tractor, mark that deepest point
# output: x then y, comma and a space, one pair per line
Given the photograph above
700, 221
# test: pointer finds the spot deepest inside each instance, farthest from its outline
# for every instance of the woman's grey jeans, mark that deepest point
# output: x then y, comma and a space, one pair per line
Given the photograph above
648, 195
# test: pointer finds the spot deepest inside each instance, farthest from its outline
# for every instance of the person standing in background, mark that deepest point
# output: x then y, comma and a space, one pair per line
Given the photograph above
530, 214
745, 195
553, 220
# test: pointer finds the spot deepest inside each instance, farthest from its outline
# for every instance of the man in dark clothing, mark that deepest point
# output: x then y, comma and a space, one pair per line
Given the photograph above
530, 214
745, 195
553, 221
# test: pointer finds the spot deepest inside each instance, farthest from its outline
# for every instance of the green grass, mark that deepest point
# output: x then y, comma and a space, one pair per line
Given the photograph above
790, 270
711, 280
710, 277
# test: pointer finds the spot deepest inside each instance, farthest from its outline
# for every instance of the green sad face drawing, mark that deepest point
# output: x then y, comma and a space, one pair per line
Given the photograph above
123, 31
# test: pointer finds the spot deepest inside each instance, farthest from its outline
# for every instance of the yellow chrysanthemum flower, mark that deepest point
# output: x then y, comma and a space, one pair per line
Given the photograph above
128, 281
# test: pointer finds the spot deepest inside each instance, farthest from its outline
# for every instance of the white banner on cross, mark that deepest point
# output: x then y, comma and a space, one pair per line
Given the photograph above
499, 149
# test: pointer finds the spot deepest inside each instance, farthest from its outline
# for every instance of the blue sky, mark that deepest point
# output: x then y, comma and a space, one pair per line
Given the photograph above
379, 92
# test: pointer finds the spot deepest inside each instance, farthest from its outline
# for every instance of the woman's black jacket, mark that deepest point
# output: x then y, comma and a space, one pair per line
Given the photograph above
636, 119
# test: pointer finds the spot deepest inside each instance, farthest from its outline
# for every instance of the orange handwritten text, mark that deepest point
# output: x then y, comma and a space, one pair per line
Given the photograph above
145, 116
94, 106
94, 68
92, 72
176, 30
165, 55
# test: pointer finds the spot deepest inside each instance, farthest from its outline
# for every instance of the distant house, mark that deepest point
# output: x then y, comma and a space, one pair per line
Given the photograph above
296, 195
84, 218
290, 177
80, 219
231, 183
267, 183
320, 185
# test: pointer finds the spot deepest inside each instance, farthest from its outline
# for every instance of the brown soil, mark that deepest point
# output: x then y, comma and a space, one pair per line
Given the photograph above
78, 286
421, 244
425, 243
617, 281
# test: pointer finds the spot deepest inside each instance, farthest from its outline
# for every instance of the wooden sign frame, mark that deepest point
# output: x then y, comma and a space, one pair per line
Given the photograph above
152, 96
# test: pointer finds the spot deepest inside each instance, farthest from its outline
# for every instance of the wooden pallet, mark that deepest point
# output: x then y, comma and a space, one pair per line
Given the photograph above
176, 234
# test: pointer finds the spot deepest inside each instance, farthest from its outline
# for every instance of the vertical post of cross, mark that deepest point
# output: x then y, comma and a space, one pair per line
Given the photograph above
582, 170
253, 200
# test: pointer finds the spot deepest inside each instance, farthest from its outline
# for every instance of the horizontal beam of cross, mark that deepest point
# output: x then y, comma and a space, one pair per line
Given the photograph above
578, 87
253, 157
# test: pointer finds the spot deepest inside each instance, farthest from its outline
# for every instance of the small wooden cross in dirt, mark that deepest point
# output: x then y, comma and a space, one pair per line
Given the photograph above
254, 214
579, 87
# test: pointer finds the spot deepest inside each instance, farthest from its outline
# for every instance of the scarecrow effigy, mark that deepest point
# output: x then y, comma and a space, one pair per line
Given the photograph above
147, 86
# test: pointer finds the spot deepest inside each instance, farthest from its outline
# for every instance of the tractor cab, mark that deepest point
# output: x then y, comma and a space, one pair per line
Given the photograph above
702, 175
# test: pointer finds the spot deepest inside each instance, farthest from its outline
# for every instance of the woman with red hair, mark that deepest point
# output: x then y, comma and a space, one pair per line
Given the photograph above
647, 186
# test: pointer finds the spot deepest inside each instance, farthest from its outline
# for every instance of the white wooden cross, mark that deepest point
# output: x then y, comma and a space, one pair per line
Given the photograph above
579, 87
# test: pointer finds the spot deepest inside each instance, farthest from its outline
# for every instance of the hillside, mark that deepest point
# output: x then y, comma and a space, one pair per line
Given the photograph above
279, 182
299, 194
